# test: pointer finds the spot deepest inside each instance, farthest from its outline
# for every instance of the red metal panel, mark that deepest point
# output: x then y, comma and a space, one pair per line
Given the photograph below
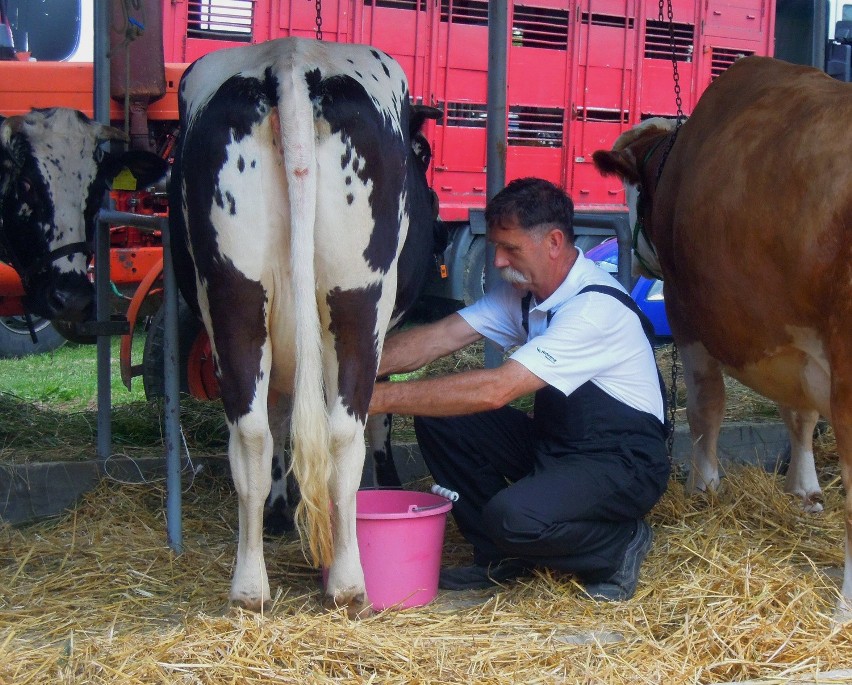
545, 92
735, 19
587, 185
657, 96
300, 19
589, 188
535, 161
402, 32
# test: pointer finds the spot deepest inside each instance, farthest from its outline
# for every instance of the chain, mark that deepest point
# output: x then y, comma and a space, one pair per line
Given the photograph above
665, 7
319, 20
672, 403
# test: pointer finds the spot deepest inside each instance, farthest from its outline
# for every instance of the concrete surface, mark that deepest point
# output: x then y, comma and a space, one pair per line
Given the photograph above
33, 491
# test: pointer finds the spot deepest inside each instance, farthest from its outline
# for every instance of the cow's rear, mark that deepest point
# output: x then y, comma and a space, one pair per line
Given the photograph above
296, 175
751, 222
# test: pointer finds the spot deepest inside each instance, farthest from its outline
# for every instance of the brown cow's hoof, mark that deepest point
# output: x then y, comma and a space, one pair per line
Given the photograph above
357, 606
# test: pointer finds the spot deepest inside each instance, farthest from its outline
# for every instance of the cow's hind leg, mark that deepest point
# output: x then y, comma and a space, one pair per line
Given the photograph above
243, 377
705, 408
841, 422
345, 586
801, 474
350, 372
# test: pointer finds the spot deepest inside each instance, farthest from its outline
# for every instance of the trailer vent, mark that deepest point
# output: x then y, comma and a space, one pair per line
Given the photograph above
467, 114
722, 58
538, 27
611, 20
602, 115
535, 126
465, 12
220, 19
658, 42
416, 5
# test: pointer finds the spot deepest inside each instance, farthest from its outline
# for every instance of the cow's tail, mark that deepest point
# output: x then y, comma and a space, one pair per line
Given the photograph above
310, 442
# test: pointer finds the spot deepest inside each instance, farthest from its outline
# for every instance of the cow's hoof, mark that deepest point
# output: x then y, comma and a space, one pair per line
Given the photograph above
254, 604
812, 503
357, 605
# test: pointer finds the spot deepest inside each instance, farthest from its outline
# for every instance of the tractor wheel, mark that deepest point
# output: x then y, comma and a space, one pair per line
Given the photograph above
15, 340
474, 271
153, 360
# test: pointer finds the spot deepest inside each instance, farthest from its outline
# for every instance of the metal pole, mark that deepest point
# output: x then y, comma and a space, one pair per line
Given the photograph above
171, 408
102, 256
171, 372
101, 60
102, 309
495, 136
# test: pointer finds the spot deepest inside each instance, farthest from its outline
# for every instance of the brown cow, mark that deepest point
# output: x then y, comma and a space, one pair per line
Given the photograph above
748, 218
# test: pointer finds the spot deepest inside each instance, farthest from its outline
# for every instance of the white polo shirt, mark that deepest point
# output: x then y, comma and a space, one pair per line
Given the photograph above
591, 337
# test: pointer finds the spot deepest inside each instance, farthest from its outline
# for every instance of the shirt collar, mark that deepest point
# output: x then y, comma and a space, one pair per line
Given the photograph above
573, 283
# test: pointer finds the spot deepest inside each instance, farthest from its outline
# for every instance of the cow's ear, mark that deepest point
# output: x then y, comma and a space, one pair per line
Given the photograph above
419, 114
135, 169
620, 163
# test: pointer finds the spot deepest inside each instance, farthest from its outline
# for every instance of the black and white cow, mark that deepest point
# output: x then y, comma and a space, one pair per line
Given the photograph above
300, 175
54, 171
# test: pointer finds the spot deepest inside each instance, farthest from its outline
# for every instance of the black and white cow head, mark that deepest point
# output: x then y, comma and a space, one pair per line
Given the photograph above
53, 175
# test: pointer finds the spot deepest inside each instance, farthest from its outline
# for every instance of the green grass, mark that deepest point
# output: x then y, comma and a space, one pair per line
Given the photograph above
67, 378
49, 407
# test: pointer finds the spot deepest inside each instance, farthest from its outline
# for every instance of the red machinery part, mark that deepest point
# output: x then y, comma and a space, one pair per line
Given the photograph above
11, 292
200, 369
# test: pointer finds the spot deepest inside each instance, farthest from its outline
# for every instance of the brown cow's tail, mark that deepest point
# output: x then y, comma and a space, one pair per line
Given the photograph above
310, 442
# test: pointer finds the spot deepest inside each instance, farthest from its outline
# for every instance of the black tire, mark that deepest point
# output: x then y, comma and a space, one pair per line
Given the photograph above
474, 271
15, 340
153, 360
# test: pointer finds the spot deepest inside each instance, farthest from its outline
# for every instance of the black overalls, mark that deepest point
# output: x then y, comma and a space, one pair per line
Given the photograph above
562, 490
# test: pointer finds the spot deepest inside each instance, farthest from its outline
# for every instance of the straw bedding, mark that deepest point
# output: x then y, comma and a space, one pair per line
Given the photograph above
737, 586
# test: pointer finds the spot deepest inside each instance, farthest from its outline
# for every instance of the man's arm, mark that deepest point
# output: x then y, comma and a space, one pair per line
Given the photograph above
415, 347
458, 393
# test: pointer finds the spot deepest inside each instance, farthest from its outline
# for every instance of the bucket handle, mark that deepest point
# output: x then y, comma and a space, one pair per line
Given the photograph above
414, 509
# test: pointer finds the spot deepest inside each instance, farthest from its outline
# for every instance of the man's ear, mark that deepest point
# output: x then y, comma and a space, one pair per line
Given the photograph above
555, 240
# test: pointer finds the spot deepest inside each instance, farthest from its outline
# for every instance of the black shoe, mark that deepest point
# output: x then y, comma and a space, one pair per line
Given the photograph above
478, 577
621, 585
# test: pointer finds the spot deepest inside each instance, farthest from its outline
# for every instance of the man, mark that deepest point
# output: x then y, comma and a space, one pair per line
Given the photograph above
567, 487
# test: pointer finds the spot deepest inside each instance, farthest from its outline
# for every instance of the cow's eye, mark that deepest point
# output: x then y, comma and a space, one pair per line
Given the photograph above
25, 185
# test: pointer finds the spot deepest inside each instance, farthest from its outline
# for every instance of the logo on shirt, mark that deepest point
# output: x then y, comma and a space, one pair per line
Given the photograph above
544, 353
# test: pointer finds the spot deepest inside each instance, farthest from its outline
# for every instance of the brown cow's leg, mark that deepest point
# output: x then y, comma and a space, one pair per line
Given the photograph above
841, 421
705, 408
801, 474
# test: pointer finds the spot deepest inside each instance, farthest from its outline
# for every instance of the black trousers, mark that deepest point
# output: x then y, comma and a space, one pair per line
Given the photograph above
573, 513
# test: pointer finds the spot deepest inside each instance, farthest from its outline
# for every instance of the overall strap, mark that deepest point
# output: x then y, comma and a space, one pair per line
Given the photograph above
628, 302
647, 326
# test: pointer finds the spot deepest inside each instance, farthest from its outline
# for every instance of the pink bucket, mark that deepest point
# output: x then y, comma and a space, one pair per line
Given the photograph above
400, 539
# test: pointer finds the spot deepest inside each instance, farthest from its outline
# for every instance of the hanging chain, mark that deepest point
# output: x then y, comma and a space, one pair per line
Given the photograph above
319, 20
665, 6
672, 404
